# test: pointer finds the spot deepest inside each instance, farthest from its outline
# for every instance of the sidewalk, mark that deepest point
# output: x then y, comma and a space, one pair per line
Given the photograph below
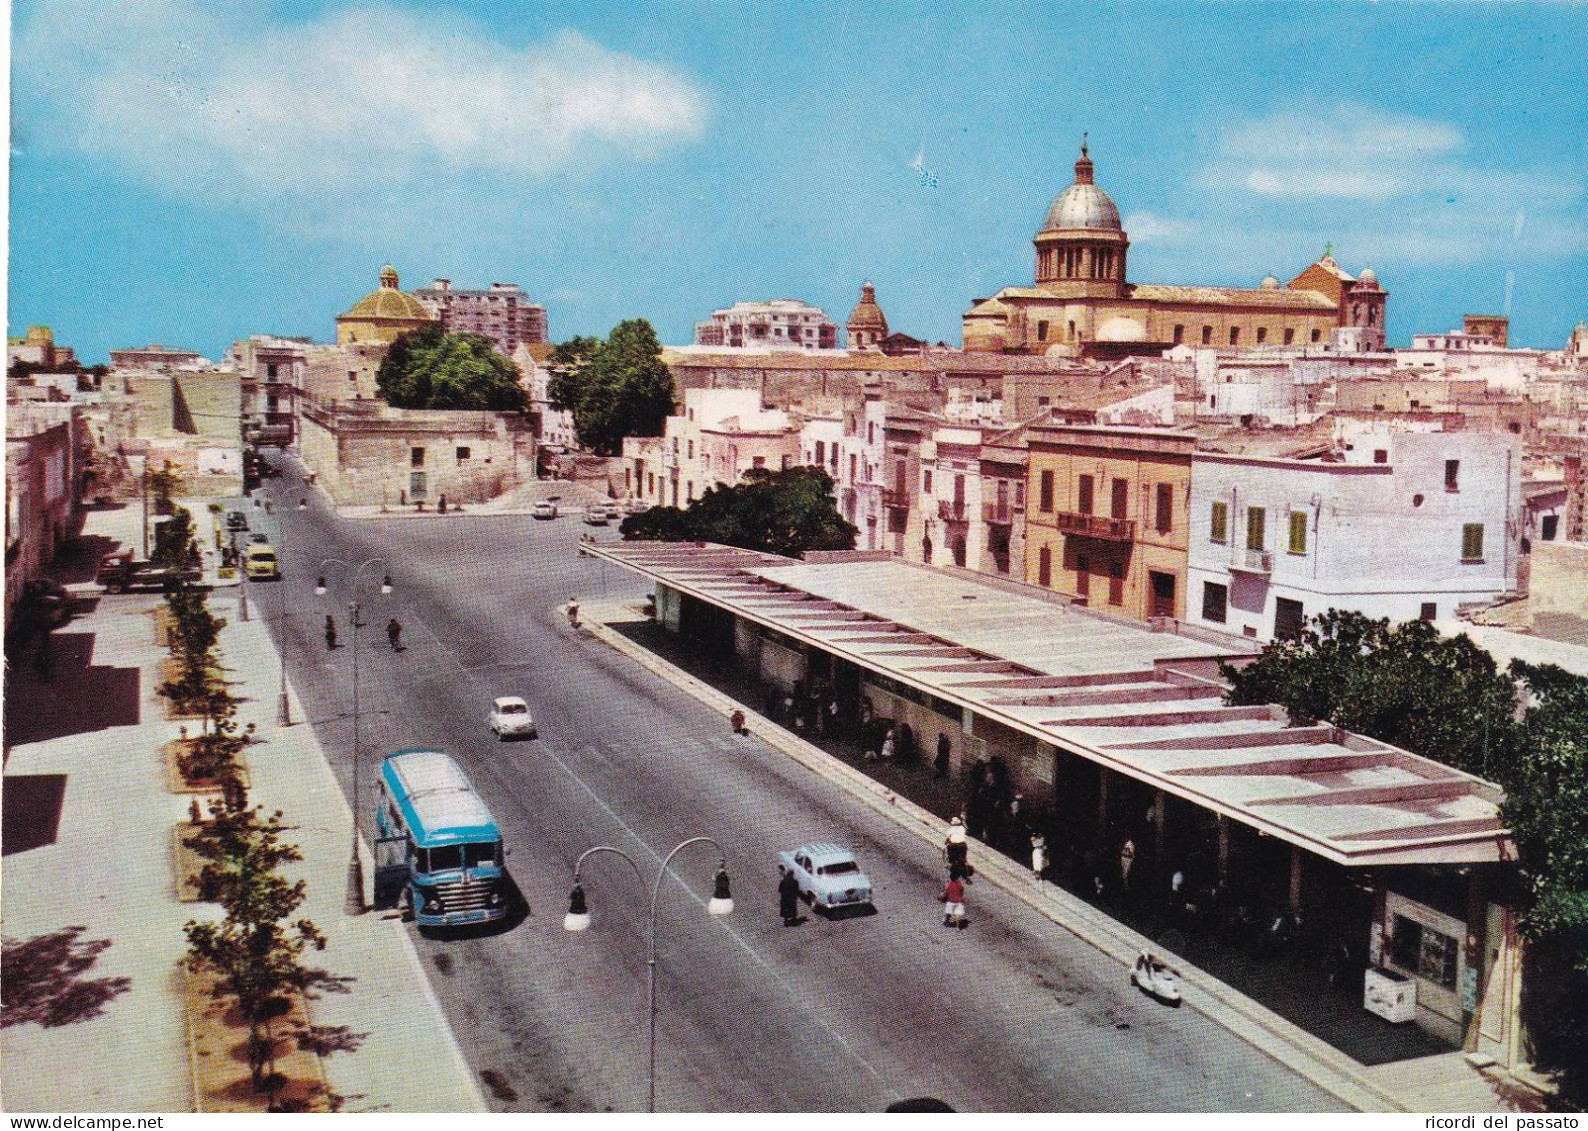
1445, 1082
101, 858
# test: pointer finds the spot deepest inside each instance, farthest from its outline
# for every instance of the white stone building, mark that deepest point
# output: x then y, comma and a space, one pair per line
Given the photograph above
1403, 526
721, 434
781, 324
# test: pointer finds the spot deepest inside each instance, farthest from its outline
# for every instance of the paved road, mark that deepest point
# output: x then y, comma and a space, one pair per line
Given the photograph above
1010, 1015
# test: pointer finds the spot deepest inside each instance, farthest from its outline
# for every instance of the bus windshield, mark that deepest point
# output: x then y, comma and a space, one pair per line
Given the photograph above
454, 856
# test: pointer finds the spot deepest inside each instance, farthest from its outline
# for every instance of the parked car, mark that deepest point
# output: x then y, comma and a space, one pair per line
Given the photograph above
261, 564
614, 510
510, 718
636, 506
829, 876
259, 538
236, 520
120, 571
543, 509
595, 515
1152, 975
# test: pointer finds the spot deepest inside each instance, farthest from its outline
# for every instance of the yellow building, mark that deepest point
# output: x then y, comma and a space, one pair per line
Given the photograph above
1083, 303
383, 315
1106, 516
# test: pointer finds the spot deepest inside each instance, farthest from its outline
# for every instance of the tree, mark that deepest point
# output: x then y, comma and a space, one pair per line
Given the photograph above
430, 368
1446, 699
255, 950
779, 512
617, 388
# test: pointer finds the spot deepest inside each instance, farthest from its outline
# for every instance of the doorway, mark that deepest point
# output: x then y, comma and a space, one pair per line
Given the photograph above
1162, 594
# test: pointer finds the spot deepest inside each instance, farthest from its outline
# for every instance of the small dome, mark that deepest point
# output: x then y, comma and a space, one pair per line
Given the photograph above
1083, 204
1270, 283
389, 301
867, 315
1368, 277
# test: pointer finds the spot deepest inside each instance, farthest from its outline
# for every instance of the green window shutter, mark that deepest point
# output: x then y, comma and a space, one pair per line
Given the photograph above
1221, 522
1254, 528
1472, 542
1298, 532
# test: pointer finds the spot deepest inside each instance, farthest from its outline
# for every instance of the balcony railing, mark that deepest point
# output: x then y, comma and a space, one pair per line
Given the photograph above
999, 514
1252, 561
950, 510
1095, 526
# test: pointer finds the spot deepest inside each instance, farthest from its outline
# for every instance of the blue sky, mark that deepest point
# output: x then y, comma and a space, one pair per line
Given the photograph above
191, 173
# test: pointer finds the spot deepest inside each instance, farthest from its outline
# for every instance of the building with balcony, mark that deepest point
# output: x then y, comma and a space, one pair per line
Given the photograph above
502, 313
720, 435
1401, 525
274, 373
1106, 516
780, 324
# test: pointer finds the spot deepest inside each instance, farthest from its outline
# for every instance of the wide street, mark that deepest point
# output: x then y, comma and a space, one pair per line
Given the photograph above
1013, 1014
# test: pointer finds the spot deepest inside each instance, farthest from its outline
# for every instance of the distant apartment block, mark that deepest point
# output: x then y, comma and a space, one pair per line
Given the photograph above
502, 313
781, 324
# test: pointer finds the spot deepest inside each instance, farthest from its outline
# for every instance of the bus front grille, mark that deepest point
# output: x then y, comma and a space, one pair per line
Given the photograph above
455, 895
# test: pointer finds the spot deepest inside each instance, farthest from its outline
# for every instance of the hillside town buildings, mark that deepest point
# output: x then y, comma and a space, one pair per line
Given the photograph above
780, 324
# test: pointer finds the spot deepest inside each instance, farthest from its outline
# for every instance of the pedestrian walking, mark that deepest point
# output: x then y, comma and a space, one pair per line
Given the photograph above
788, 898
940, 763
573, 611
888, 745
394, 634
956, 850
1039, 854
330, 633
953, 901
1127, 857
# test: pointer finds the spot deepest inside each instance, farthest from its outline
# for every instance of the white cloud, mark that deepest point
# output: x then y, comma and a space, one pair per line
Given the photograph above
208, 100
1151, 228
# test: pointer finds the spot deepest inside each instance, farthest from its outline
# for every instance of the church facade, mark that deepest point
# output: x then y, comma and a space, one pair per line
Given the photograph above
1083, 303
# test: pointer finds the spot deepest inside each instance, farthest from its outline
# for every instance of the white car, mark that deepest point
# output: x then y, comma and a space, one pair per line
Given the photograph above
510, 718
636, 506
595, 515
543, 509
829, 876
1154, 976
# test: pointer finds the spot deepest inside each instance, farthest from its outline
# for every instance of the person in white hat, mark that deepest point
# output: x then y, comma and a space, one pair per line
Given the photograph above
956, 850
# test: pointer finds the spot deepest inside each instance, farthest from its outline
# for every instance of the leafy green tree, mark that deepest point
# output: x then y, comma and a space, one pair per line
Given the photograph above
616, 388
256, 950
780, 512
430, 368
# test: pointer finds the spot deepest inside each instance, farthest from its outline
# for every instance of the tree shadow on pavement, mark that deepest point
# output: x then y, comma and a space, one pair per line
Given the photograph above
43, 980
69, 694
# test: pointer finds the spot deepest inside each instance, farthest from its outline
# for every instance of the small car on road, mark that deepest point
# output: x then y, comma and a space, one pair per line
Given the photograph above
510, 718
259, 538
236, 520
1152, 975
543, 509
829, 876
260, 562
636, 506
595, 515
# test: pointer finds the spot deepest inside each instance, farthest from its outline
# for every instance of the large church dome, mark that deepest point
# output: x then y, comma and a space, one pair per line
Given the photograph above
1083, 204
389, 301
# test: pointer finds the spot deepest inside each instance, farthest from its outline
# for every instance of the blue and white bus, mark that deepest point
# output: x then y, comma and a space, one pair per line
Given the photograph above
434, 831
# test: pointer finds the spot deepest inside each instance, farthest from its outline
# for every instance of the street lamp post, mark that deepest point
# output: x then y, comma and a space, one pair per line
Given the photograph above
355, 866
578, 919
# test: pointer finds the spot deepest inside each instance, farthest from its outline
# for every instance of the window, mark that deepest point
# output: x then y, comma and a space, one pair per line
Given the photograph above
1380, 455
1116, 584
1430, 611
1044, 402
1083, 577
871, 432
464, 454
851, 468
1215, 602
1548, 527
1084, 495
1042, 331
1290, 335
689, 491
1072, 330
1316, 335
1219, 526
1046, 488
1289, 618
1472, 542
1165, 508
758, 461
1255, 517
1179, 334
1207, 335
1262, 334
1235, 335
926, 482
416, 457
1120, 504
1452, 475
1298, 532
691, 449
1045, 566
